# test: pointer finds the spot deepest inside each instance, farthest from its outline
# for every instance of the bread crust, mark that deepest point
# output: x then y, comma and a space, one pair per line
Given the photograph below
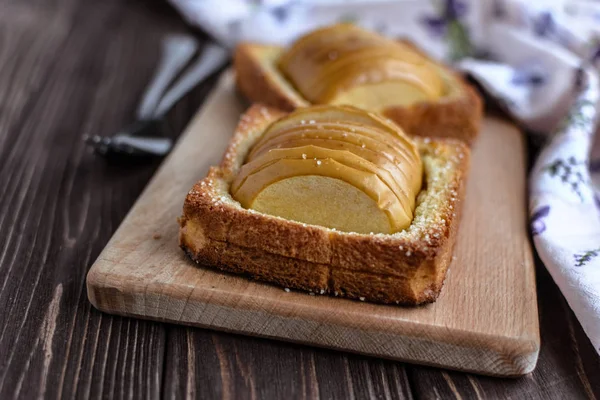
257, 78
404, 268
457, 115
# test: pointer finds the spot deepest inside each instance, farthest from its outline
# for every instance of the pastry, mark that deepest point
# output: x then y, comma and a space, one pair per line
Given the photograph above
293, 172
344, 64
332, 200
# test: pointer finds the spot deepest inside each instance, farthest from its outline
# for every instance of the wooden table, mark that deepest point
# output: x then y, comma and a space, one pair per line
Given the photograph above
69, 67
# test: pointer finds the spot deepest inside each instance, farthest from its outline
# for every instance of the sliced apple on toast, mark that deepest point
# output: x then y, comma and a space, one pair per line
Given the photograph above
344, 64
263, 182
328, 215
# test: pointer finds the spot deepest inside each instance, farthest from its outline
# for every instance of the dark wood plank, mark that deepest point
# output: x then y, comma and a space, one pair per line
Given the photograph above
568, 366
69, 68
205, 364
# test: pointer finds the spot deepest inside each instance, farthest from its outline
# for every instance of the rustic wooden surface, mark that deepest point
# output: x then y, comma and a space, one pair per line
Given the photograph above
69, 67
493, 330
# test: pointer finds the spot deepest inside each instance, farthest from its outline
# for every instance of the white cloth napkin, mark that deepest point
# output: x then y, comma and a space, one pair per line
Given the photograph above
535, 57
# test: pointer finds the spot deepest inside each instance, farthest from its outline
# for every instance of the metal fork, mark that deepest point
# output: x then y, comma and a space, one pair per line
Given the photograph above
145, 137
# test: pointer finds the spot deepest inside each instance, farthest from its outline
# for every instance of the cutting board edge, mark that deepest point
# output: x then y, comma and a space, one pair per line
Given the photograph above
498, 356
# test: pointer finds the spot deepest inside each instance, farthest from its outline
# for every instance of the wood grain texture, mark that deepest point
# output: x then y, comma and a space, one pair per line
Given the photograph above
484, 321
58, 210
566, 367
221, 366
58, 203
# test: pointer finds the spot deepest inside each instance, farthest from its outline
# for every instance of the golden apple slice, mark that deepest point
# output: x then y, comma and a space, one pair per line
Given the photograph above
335, 114
307, 53
399, 186
367, 182
340, 39
422, 81
325, 201
366, 142
392, 153
327, 113
401, 171
332, 60
369, 66
352, 133
317, 38
379, 96
307, 67
344, 126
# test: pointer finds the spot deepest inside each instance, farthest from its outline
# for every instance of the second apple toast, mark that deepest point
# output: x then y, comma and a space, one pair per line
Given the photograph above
343, 64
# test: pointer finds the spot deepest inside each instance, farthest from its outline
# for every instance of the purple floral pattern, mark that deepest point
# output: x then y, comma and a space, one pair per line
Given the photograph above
584, 258
537, 220
577, 118
533, 74
447, 24
544, 25
570, 171
280, 13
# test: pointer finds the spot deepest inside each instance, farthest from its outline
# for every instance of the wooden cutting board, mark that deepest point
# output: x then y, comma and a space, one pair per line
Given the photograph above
485, 320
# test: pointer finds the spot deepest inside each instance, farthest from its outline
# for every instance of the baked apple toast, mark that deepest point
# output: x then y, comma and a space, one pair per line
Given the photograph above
344, 64
332, 200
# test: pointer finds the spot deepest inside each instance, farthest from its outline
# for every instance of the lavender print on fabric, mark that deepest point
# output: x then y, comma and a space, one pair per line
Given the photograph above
570, 172
537, 220
584, 258
543, 24
280, 13
532, 74
447, 24
577, 118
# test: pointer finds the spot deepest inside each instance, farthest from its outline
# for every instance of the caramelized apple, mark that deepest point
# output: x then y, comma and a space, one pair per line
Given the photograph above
342, 114
367, 182
360, 137
313, 152
397, 169
337, 64
356, 134
325, 201
317, 164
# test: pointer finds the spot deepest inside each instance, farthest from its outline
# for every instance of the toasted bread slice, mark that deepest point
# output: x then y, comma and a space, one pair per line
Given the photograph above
457, 114
406, 267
